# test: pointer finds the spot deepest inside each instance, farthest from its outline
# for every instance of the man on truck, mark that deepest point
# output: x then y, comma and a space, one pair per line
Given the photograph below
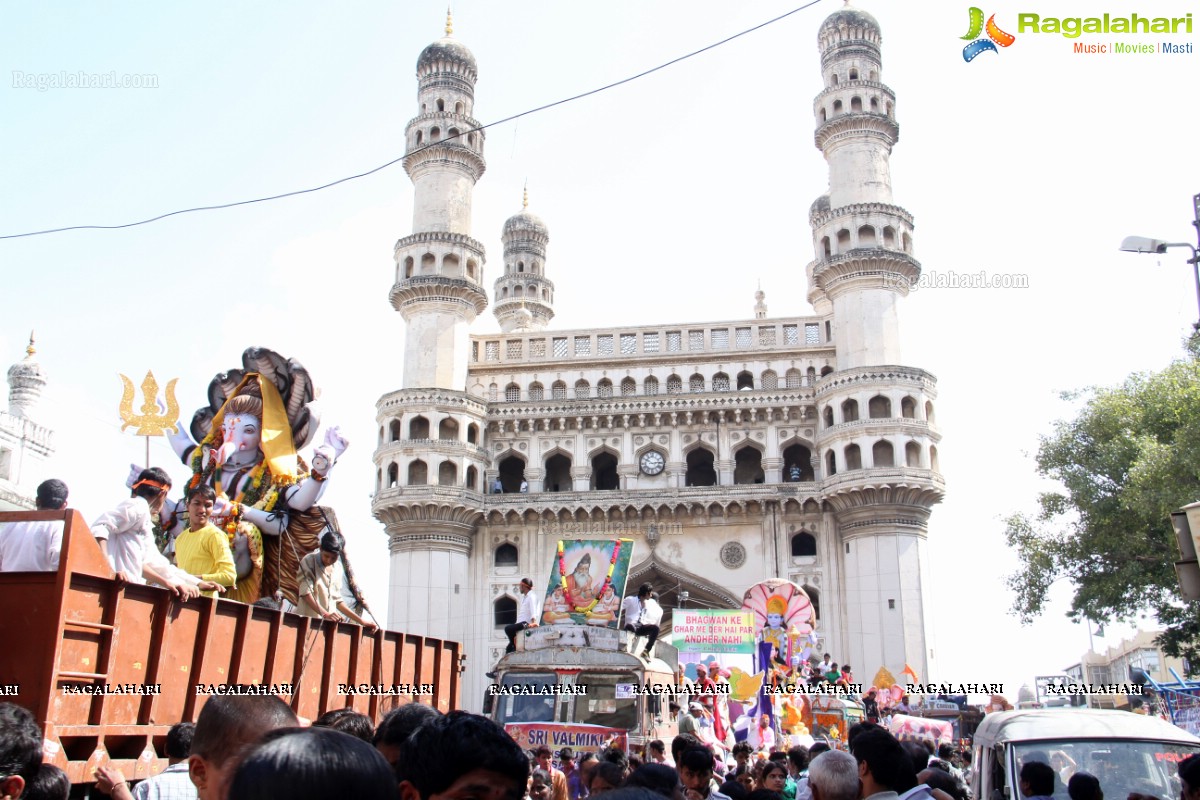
527, 616
35, 546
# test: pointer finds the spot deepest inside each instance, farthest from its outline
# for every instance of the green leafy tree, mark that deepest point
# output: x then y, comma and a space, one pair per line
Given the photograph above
1125, 462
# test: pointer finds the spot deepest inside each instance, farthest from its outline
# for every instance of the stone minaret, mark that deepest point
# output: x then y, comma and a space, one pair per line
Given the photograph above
524, 295
429, 460
439, 267
25, 444
877, 437
862, 240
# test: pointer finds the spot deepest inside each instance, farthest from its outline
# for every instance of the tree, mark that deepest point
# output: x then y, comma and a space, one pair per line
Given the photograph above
1125, 462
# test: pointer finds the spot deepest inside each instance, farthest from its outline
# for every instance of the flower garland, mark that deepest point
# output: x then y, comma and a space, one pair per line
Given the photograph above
260, 481
562, 578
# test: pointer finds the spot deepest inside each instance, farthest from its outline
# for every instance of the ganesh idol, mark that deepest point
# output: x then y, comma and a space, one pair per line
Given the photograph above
244, 444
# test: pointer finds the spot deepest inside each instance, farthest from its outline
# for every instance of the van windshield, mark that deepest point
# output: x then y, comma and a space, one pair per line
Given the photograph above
1122, 766
526, 708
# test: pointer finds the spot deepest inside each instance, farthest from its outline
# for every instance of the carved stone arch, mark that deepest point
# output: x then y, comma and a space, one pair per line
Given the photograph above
749, 442
604, 447
510, 452
794, 439
690, 446
649, 445
811, 507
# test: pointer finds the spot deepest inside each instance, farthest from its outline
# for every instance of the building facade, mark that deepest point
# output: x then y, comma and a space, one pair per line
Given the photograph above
1118, 664
25, 442
730, 452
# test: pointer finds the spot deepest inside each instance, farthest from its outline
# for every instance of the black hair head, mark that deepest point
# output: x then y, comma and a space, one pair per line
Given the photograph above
400, 723
349, 721
1084, 786
742, 747
51, 495
150, 483
312, 764
886, 760
20, 742
614, 755
657, 778
49, 783
539, 774
817, 749
179, 740
1189, 771
609, 772
202, 490
447, 746
657, 746
734, 790
332, 542
1039, 776
798, 755
228, 723
918, 756
697, 759
682, 742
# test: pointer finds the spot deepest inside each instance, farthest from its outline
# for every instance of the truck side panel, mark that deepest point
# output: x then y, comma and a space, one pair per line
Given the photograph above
69, 632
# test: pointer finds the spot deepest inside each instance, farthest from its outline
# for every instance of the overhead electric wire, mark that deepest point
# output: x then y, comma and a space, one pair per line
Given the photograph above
419, 149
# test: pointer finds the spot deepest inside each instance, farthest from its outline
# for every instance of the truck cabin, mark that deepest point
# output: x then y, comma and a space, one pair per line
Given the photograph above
1128, 753
598, 687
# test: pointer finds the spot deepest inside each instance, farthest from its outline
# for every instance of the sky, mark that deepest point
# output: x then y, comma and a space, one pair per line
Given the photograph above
669, 199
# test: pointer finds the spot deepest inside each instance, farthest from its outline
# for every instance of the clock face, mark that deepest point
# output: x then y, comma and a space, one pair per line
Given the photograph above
653, 462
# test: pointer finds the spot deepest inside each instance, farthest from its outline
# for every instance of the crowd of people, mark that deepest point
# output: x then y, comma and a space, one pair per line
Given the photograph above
255, 748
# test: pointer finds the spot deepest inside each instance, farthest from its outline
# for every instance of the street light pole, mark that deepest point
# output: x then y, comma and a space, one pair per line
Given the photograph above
1142, 244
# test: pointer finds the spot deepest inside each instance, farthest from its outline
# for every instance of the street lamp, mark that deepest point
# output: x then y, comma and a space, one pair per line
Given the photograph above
1142, 244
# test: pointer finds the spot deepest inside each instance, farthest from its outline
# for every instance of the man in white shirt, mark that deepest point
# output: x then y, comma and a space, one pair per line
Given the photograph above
527, 617
648, 623
825, 666
35, 546
631, 608
126, 537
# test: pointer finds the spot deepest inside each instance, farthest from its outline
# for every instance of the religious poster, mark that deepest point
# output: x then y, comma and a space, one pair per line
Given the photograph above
578, 737
713, 631
587, 582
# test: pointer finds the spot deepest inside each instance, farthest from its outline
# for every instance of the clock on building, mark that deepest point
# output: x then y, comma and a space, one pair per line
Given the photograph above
652, 462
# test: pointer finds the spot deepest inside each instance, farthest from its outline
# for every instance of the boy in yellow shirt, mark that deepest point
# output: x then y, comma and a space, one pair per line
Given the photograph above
203, 549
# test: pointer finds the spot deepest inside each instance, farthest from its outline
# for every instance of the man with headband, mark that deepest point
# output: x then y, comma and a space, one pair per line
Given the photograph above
320, 584
126, 537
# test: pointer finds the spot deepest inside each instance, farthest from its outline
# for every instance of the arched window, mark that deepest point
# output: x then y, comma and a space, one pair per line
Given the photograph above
908, 407
837, 108
804, 545
696, 383
856, 104
493, 393
504, 612
650, 386
520, 266
558, 474
883, 454
674, 385
472, 479
458, 108
850, 411
879, 407
418, 428
506, 555
797, 464
558, 390
700, 470
583, 390
604, 388
828, 416
511, 471
933, 459
745, 380
512, 393
447, 474
747, 466
394, 430
418, 473
866, 236
604, 472
889, 237
853, 457
393, 476
408, 267
720, 382
912, 455
473, 433
830, 464
428, 264
929, 412
448, 429
435, 134
853, 74
793, 378
812, 376
770, 380
628, 387
441, 104
826, 371
536, 390
843, 240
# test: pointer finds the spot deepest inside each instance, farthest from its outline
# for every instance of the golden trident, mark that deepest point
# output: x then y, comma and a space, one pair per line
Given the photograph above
152, 421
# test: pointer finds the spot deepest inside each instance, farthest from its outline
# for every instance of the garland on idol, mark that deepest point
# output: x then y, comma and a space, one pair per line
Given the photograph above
562, 578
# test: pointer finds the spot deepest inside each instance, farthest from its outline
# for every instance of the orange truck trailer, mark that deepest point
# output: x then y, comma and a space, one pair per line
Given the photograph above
108, 667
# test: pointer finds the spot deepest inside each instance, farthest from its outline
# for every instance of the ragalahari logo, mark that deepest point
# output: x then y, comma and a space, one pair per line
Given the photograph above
995, 36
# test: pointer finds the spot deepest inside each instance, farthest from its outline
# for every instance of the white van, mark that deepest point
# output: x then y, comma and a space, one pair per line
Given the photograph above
1127, 752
